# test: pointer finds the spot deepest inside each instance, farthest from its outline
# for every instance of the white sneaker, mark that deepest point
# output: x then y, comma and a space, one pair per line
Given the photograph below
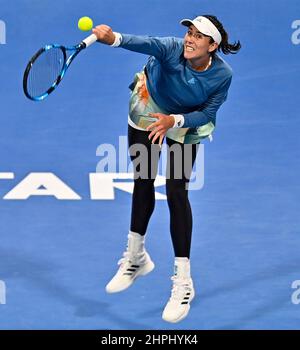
178, 305
131, 266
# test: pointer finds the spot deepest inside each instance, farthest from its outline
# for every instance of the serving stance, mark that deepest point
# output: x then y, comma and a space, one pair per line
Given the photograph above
176, 96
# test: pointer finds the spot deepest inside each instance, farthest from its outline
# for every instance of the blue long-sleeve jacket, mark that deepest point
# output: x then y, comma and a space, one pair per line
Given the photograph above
175, 86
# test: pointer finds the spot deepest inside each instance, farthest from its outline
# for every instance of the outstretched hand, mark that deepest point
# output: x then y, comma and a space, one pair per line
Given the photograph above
160, 127
104, 34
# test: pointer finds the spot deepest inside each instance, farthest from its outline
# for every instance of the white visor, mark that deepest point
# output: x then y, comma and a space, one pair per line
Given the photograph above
205, 26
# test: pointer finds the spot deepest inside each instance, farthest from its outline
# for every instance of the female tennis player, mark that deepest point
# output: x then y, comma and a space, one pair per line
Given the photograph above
176, 96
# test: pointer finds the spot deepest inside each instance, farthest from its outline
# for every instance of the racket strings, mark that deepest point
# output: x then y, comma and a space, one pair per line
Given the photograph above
44, 71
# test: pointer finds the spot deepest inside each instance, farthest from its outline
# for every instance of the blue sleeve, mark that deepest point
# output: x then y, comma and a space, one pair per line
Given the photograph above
207, 112
161, 48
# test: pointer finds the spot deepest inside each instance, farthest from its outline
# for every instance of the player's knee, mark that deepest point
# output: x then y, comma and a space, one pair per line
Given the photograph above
176, 191
144, 185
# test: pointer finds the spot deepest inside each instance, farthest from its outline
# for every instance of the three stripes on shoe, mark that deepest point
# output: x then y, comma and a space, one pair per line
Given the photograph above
132, 269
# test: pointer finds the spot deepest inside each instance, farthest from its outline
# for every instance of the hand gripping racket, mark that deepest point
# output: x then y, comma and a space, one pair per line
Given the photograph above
48, 66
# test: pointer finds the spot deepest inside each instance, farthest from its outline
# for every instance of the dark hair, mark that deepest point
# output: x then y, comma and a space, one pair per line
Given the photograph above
225, 46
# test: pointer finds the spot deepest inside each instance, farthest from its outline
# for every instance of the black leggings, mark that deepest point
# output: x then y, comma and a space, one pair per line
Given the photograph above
143, 199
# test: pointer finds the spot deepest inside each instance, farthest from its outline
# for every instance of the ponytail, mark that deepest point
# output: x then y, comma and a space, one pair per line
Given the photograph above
225, 46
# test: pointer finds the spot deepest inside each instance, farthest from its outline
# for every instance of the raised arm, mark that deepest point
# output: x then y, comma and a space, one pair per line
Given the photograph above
161, 48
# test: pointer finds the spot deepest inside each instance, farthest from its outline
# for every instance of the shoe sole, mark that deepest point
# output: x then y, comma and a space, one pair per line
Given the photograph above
143, 272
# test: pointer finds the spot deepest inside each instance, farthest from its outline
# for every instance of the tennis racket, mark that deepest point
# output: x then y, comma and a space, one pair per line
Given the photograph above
48, 66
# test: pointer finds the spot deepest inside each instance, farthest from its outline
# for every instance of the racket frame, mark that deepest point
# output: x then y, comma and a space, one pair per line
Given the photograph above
67, 61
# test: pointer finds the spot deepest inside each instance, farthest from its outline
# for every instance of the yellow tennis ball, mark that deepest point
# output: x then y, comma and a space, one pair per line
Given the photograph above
85, 23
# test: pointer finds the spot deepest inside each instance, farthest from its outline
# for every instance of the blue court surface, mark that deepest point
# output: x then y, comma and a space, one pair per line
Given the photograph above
57, 254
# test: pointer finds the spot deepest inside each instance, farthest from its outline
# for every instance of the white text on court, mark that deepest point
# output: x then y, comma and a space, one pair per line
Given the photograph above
103, 186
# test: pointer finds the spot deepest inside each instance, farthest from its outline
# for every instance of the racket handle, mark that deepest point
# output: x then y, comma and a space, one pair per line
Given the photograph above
90, 40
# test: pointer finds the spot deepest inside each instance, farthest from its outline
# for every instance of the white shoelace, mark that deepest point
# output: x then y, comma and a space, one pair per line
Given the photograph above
180, 288
131, 259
